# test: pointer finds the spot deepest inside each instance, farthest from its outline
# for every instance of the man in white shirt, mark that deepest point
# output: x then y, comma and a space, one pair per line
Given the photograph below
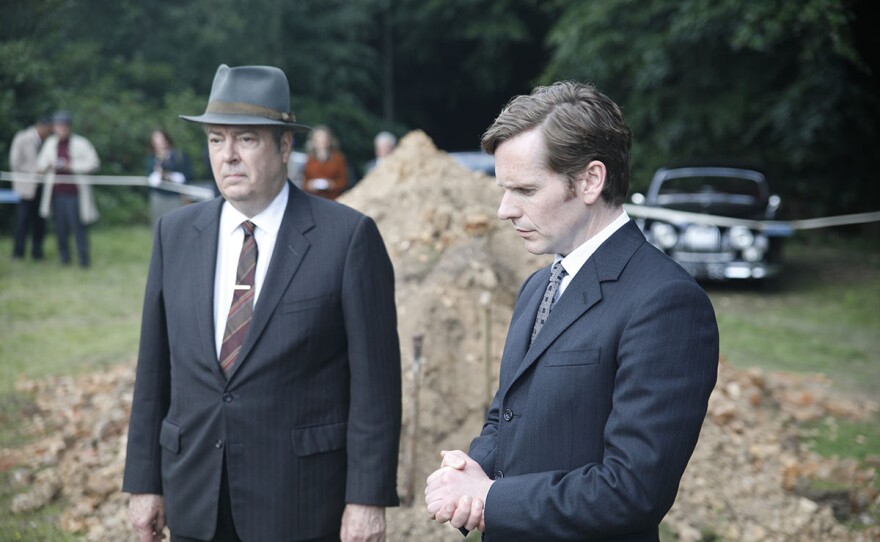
612, 351
267, 398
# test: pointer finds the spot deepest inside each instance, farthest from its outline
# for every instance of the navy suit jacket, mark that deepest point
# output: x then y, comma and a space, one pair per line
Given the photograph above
593, 425
309, 419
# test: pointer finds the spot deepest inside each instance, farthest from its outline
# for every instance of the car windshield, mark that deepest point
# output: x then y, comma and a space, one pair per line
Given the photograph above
722, 195
711, 185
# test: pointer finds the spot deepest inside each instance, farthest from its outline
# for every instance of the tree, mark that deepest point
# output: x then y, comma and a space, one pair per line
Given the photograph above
776, 84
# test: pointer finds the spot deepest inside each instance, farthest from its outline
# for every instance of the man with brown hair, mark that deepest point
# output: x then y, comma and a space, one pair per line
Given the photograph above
612, 351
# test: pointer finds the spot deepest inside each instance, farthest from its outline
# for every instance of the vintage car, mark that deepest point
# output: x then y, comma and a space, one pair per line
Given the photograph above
717, 222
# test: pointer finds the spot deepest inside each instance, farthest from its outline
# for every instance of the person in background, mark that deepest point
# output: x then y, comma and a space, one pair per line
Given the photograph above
70, 204
267, 401
383, 144
165, 164
23, 158
326, 171
611, 354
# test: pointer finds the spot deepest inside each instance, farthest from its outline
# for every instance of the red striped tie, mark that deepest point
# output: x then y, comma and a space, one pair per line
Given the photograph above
242, 310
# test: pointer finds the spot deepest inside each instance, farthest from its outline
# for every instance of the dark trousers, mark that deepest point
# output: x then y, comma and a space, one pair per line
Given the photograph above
29, 221
225, 528
65, 210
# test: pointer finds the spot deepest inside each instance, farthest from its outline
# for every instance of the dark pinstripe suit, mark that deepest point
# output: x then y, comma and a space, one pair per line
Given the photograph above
593, 425
310, 418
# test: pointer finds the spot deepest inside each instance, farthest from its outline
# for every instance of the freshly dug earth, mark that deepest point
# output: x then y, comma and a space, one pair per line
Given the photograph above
458, 271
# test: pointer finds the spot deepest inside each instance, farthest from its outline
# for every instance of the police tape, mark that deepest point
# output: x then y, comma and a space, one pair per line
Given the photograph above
770, 227
189, 190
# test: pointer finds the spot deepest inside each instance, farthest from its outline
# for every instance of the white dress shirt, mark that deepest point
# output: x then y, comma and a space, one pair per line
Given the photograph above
579, 256
229, 241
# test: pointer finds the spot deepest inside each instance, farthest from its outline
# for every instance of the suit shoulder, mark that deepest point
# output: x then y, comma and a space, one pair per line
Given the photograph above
335, 214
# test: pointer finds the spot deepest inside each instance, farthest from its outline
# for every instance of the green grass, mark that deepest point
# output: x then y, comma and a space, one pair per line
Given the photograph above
66, 320
825, 317
63, 320
844, 438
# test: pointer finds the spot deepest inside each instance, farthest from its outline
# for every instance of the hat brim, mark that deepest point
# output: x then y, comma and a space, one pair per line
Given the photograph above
243, 120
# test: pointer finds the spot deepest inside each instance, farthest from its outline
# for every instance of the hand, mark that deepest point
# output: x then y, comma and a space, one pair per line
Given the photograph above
146, 513
362, 523
457, 492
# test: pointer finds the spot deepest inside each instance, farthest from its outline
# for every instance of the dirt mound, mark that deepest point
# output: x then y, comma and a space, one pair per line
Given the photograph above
458, 270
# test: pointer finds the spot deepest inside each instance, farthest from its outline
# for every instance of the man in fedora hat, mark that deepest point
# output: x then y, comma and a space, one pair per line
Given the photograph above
267, 400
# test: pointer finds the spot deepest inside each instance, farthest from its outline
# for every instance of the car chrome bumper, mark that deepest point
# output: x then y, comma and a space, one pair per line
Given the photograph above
727, 270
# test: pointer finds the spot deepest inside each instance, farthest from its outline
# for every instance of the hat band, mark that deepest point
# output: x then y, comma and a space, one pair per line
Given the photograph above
240, 108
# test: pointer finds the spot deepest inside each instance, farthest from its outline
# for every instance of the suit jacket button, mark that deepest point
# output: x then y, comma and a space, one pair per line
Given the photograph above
499, 474
227, 397
218, 444
508, 415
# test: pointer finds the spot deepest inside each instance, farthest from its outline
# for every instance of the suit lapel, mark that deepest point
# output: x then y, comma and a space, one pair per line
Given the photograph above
205, 249
517, 343
290, 249
584, 291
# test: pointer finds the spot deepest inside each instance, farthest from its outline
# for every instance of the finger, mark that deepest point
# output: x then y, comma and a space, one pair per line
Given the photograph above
432, 477
445, 513
476, 516
437, 474
433, 507
462, 512
454, 459
160, 524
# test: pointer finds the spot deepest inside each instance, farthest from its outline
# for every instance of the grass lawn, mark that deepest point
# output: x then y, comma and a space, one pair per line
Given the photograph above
63, 320
56, 319
824, 317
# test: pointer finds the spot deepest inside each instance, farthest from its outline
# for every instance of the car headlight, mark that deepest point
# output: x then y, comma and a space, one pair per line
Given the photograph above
752, 254
664, 235
740, 237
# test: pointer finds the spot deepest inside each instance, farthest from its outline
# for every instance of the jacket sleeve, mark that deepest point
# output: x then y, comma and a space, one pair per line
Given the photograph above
667, 360
85, 156
374, 361
152, 386
47, 155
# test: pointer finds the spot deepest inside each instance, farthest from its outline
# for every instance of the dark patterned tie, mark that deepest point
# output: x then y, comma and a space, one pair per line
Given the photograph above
242, 310
556, 274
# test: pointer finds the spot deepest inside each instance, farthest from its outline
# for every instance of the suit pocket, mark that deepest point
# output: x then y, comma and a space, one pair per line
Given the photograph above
572, 358
317, 439
304, 304
169, 437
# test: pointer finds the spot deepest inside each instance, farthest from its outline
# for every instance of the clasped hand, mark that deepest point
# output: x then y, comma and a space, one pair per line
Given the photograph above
457, 491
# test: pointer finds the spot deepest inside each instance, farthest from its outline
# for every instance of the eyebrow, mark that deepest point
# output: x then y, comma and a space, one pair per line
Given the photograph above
512, 185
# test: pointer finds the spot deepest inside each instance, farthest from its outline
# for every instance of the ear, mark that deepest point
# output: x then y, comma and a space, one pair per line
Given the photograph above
286, 146
592, 182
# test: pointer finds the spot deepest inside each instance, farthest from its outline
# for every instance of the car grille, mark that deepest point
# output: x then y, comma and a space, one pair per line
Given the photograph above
701, 238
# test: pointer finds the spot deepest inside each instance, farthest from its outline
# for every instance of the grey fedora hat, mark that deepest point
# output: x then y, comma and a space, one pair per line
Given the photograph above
249, 95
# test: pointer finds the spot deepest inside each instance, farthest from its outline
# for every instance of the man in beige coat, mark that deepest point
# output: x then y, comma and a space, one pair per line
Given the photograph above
70, 203
23, 159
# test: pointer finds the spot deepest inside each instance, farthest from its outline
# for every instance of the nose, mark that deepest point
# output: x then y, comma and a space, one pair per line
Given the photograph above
508, 209
229, 152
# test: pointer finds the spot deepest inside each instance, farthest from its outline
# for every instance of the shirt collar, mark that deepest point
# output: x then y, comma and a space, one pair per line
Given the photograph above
579, 256
268, 220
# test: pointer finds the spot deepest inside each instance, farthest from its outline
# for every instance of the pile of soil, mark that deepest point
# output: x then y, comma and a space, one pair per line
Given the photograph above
458, 270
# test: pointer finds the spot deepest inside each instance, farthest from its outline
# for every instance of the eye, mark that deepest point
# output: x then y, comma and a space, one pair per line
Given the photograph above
247, 140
